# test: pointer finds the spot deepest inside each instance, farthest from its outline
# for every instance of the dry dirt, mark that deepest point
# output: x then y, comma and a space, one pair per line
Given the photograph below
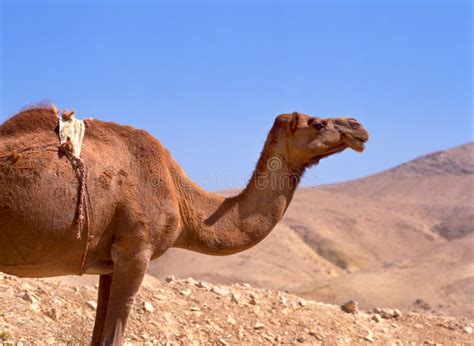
189, 312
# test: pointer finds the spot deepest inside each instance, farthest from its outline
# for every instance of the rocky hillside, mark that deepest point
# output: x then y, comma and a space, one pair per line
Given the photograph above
457, 161
189, 312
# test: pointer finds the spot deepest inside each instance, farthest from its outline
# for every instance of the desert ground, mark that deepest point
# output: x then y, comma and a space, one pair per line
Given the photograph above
190, 312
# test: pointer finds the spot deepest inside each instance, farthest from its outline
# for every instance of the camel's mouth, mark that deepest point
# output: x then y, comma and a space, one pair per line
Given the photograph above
356, 144
355, 139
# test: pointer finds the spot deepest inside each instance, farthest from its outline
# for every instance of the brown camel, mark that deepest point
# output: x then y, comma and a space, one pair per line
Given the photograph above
139, 202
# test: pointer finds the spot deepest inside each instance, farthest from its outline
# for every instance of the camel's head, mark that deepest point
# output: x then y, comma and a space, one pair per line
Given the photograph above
309, 139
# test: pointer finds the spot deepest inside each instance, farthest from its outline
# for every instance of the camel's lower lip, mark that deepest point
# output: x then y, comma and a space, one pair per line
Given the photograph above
354, 142
357, 145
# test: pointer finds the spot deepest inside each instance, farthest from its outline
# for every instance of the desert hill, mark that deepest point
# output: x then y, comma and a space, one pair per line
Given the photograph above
189, 312
376, 239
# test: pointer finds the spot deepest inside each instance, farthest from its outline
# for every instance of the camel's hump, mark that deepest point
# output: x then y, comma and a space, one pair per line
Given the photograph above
30, 120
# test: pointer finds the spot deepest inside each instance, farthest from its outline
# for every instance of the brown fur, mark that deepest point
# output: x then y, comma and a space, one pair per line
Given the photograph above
141, 202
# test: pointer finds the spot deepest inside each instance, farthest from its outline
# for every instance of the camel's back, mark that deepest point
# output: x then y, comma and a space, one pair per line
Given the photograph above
44, 119
28, 121
31, 138
40, 124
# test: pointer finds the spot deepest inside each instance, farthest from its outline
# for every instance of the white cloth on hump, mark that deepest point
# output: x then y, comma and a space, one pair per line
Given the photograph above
73, 129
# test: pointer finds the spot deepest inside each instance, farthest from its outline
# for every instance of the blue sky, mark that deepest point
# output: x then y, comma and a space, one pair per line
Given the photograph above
208, 77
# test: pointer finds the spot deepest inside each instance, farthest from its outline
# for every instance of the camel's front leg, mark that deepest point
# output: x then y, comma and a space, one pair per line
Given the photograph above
130, 264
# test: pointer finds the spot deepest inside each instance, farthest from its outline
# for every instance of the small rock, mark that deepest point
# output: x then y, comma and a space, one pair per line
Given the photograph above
387, 313
190, 281
397, 313
28, 297
369, 337
170, 278
467, 330
148, 307
376, 318
350, 307
258, 325
51, 341
195, 308
253, 299
231, 320
235, 297
203, 284
302, 302
220, 291
241, 333
54, 314
35, 307
246, 285
92, 304
26, 286
282, 300
223, 342
186, 293
301, 339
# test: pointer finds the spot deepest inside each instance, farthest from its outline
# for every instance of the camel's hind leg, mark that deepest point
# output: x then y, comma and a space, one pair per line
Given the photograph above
102, 303
131, 261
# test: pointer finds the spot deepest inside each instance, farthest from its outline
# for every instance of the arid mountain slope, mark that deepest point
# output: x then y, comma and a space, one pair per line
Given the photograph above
440, 178
439, 281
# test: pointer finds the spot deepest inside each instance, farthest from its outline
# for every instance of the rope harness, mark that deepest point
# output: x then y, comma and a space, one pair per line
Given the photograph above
71, 148
82, 216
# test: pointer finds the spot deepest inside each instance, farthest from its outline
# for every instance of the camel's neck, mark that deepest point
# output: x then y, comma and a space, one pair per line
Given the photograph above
216, 225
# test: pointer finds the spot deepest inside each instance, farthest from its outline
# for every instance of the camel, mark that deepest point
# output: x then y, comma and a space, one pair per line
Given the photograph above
139, 202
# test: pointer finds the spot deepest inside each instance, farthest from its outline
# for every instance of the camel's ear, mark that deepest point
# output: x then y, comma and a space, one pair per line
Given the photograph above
67, 115
294, 122
289, 121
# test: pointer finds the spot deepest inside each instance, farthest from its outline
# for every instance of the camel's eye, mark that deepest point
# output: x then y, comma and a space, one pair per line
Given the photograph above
319, 126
